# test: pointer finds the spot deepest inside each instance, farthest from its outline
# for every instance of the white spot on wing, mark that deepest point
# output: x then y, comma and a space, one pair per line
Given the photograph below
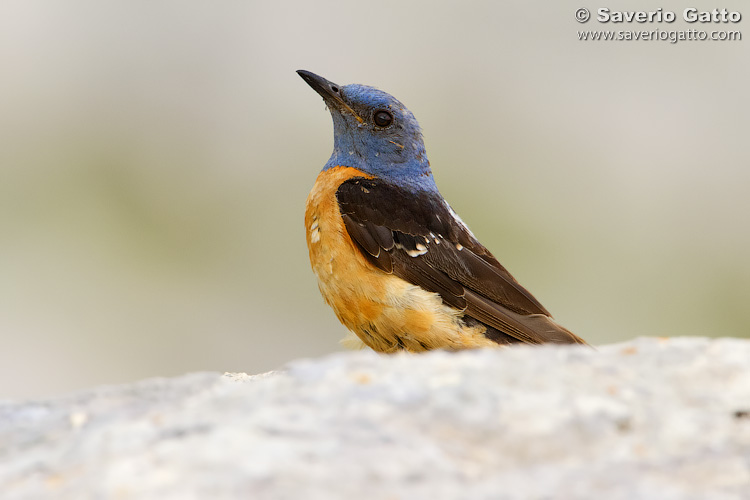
420, 250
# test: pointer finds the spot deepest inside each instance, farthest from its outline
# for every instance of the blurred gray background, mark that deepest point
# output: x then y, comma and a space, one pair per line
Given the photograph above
155, 158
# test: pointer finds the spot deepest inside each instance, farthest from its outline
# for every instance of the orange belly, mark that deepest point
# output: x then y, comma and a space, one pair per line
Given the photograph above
384, 311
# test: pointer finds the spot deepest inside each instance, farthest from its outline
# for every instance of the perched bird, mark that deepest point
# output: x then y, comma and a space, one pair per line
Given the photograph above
397, 265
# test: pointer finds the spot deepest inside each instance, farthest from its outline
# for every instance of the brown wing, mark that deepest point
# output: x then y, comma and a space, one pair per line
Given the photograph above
417, 237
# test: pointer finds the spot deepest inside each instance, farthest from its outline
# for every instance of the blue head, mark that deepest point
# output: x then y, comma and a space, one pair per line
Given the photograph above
374, 133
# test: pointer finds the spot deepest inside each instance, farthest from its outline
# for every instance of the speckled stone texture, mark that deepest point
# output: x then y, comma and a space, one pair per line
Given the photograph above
648, 419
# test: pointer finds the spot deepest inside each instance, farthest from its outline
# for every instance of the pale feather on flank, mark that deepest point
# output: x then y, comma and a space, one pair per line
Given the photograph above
352, 342
314, 231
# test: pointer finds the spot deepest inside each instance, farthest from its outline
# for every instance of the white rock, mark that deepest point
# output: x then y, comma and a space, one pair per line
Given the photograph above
648, 419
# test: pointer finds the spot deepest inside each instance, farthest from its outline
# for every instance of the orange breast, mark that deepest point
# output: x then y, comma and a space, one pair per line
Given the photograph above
386, 312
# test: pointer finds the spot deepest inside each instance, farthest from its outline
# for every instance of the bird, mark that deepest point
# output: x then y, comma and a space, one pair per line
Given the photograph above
397, 265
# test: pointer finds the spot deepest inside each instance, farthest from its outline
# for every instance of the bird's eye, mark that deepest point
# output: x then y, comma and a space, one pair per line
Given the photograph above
382, 118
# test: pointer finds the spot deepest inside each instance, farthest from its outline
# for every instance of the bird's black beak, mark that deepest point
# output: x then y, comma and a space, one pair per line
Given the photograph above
329, 91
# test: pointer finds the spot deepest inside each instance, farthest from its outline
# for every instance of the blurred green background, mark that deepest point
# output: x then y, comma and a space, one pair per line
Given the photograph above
155, 158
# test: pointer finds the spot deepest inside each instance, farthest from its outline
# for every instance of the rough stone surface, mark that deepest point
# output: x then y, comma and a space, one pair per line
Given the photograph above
648, 419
